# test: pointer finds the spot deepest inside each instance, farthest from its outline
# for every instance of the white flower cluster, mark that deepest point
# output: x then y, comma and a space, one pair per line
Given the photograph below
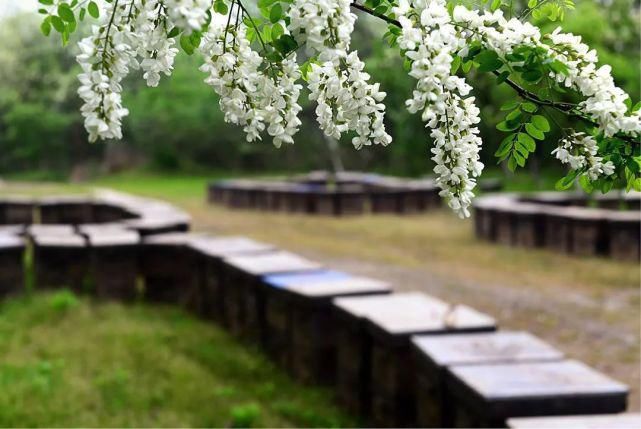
130, 35
605, 102
188, 15
346, 100
249, 95
429, 40
105, 58
155, 49
579, 151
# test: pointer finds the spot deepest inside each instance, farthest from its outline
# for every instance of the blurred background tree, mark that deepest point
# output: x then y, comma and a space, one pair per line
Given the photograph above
178, 126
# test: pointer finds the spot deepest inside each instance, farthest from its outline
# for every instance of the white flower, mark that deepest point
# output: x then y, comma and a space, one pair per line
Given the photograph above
149, 36
429, 43
580, 152
256, 98
346, 100
188, 15
105, 61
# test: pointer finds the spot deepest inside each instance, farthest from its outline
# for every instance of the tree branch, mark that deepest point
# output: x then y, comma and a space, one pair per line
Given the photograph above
565, 108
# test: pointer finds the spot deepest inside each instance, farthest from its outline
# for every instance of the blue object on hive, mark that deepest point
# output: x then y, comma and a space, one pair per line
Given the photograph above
308, 278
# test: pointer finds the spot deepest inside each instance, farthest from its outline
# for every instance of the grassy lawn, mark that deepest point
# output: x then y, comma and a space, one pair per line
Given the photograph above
70, 362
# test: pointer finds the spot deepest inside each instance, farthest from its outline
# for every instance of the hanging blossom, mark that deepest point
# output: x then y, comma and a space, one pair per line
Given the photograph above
346, 100
155, 50
188, 15
579, 151
605, 102
251, 95
105, 58
429, 40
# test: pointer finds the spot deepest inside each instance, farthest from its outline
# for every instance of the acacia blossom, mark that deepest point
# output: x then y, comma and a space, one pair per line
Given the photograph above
105, 58
346, 100
429, 40
251, 96
605, 102
155, 50
580, 151
188, 15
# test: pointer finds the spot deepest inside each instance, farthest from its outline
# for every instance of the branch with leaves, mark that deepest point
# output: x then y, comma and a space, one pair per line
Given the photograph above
251, 51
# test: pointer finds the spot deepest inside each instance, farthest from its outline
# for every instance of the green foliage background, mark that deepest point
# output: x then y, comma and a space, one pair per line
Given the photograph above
178, 126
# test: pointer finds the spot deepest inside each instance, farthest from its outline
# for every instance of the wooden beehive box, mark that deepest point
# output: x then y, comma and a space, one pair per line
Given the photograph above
435, 353
488, 395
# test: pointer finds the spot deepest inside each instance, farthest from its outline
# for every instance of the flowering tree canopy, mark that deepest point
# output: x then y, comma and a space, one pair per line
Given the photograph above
258, 55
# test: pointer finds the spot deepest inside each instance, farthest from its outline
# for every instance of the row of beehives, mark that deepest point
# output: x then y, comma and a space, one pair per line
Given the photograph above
397, 359
562, 222
342, 193
143, 215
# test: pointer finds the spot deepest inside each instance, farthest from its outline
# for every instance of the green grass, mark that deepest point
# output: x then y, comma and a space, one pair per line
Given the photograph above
67, 361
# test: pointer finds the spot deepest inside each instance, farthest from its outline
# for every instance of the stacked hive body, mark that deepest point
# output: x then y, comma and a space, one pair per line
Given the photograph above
340, 194
396, 359
563, 222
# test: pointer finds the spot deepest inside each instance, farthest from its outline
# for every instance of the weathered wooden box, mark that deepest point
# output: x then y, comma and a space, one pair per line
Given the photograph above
558, 230
243, 297
488, 395
609, 421
105, 212
169, 268
624, 232
159, 223
529, 225
209, 253
12, 250
392, 371
588, 231
350, 201
61, 261
16, 210
66, 210
299, 316
505, 223
435, 353
385, 201
113, 261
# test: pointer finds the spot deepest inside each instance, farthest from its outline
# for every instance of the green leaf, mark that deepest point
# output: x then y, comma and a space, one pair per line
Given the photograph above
47, 2
513, 115
65, 12
276, 13
541, 123
510, 105
185, 44
585, 183
529, 107
527, 142
456, 63
495, 5
506, 126
532, 76
92, 9
173, 32
566, 182
277, 31
488, 61
511, 164
57, 23
45, 27
220, 7
534, 132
